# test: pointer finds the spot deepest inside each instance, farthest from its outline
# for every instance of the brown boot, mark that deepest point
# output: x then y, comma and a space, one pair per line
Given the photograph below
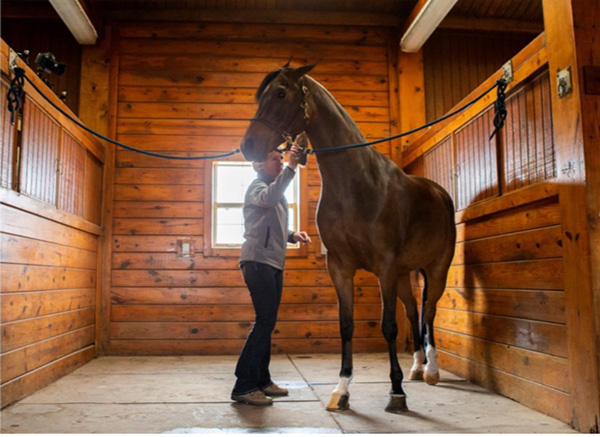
256, 397
275, 390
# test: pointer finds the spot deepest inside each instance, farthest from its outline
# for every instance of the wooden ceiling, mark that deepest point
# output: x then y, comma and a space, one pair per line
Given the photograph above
498, 15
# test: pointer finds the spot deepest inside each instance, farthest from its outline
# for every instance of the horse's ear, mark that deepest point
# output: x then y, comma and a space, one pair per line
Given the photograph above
300, 71
287, 64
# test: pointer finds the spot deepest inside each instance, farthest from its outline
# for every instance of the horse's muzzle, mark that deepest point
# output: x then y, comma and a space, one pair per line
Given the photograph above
247, 148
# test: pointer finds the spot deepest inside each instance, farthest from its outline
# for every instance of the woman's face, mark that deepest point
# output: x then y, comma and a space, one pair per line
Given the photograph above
274, 164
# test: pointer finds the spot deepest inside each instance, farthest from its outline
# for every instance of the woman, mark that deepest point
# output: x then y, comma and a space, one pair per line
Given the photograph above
262, 260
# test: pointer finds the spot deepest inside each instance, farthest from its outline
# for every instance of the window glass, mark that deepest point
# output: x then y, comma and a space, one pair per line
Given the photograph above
230, 183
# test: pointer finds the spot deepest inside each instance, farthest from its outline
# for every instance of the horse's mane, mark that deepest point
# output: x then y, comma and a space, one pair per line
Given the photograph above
267, 80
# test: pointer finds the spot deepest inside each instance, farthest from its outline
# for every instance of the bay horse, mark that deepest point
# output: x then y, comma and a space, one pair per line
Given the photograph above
371, 216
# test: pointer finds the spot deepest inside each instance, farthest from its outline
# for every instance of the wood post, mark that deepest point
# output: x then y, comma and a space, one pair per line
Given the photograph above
570, 34
412, 96
97, 107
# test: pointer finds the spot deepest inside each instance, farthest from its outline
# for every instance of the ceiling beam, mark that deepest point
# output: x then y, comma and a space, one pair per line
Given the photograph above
257, 16
492, 25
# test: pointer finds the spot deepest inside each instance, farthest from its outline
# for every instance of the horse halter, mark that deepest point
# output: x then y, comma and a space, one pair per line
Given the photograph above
287, 136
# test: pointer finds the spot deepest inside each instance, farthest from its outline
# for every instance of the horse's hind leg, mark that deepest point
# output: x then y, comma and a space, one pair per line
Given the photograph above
389, 326
343, 280
410, 304
436, 284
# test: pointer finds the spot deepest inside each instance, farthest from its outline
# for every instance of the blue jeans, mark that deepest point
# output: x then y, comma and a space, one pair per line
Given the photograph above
265, 284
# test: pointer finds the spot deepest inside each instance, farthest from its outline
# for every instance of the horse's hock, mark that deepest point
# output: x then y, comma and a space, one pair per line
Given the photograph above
110, 257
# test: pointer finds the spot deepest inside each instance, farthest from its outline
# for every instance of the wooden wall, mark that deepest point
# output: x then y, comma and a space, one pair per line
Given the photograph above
456, 62
50, 226
189, 89
502, 321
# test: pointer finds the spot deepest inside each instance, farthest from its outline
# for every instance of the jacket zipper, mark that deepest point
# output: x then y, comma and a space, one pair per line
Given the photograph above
268, 234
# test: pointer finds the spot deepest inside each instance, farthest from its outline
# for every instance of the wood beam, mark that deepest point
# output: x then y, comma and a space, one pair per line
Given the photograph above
492, 25
570, 32
412, 96
258, 16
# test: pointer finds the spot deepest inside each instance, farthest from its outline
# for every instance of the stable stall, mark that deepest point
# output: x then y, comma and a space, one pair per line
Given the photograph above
109, 252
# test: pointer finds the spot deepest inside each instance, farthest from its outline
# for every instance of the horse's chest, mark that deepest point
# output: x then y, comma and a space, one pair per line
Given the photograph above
345, 228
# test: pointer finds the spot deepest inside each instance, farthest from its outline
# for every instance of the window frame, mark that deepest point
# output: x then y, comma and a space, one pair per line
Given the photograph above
210, 213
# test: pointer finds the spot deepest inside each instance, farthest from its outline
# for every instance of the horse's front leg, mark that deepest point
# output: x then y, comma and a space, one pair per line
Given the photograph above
343, 280
388, 282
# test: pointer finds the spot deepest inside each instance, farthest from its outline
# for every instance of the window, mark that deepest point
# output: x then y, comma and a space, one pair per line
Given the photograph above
230, 181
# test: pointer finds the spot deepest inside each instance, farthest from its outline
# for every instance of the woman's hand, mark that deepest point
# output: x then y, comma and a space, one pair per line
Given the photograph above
294, 157
301, 237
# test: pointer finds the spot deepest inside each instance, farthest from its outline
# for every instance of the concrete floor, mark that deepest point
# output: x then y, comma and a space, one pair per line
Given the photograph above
191, 395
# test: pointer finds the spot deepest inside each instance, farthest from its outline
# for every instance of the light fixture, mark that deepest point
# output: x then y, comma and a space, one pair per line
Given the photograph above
74, 16
426, 21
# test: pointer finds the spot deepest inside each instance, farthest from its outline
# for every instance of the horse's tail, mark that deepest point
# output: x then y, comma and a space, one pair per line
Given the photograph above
423, 329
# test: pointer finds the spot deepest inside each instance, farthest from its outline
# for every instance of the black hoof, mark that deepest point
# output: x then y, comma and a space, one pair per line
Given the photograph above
397, 404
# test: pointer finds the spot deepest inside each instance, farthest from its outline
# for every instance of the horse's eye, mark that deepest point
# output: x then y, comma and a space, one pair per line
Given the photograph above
281, 94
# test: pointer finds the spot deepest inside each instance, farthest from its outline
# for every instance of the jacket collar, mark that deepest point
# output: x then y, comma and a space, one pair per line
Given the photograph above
265, 177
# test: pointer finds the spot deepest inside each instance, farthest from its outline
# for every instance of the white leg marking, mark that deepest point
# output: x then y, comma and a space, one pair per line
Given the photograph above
418, 360
343, 385
431, 368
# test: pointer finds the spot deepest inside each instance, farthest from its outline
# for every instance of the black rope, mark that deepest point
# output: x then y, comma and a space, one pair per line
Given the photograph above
500, 107
14, 96
20, 74
426, 125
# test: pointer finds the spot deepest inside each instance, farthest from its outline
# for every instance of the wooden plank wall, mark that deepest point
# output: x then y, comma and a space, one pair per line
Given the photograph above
456, 62
502, 322
50, 227
189, 89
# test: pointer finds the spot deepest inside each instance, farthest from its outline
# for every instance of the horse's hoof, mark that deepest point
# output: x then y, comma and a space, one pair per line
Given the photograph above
338, 402
397, 404
433, 378
416, 375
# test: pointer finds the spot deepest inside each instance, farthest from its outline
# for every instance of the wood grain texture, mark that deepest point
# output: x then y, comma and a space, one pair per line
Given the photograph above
188, 89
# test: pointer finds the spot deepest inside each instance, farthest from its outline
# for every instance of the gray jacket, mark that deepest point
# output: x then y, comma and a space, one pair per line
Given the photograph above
266, 218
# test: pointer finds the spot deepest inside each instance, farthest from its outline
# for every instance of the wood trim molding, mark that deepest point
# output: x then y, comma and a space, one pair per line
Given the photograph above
50, 212
513, 199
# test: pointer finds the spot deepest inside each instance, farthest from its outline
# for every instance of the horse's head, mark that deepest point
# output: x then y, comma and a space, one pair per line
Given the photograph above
281, 101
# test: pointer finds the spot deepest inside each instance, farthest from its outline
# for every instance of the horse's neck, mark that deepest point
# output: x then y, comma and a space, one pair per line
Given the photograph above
331, 126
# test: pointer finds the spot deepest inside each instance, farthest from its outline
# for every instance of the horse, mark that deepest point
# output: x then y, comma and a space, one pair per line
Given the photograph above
371, 215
